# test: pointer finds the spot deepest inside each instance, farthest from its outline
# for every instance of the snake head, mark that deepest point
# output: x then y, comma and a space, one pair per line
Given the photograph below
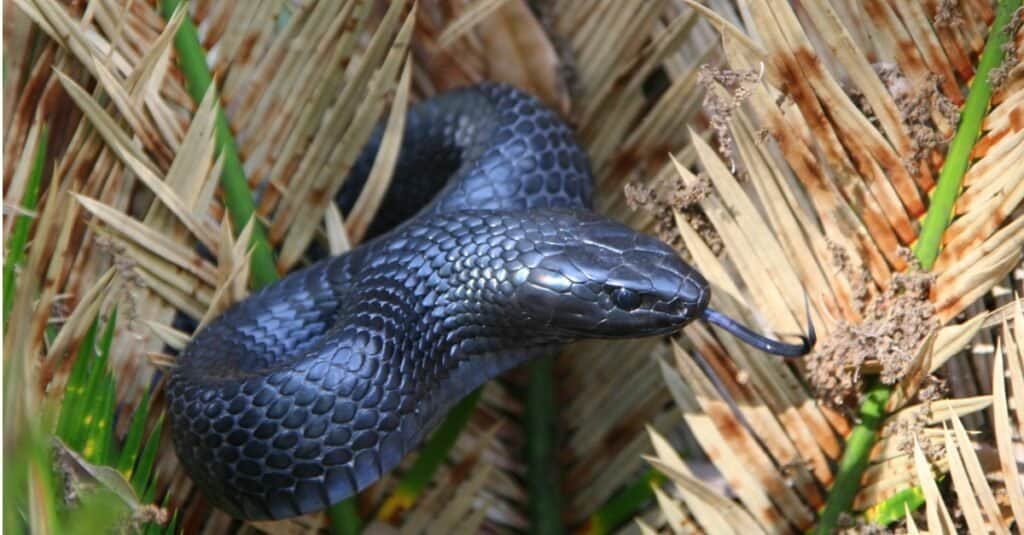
586, 276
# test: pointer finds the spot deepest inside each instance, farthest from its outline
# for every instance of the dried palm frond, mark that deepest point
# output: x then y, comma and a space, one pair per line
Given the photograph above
787, 149
847, 257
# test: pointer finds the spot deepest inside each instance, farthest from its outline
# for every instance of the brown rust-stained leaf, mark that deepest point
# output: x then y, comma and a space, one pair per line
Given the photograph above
746, 466
841, 223
284, 110
75, 326
847, 131
465, 21
177, 254
758, 256
144, 169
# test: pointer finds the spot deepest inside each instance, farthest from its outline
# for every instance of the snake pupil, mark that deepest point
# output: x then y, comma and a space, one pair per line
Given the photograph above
626, 299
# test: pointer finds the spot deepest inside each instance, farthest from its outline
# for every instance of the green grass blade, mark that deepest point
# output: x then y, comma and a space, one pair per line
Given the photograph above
624, 505
344, 518
237, 197
152, 528
42, 488
172, 526
99, 418
103, 432
133, 440
107, 340
94, 436
894, 509
540, 425
72, 407
940, 212
143, 473
23, 223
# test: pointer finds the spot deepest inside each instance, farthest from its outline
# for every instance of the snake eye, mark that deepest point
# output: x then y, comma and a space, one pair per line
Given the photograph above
625, 298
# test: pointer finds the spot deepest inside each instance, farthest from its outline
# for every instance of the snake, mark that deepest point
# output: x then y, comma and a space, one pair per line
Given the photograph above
485, 254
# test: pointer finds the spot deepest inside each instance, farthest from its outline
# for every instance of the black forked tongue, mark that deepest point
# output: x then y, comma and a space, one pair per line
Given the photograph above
764, 344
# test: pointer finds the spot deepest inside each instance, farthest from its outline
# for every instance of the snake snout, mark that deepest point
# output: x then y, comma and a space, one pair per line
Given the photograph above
611, 282
677, 295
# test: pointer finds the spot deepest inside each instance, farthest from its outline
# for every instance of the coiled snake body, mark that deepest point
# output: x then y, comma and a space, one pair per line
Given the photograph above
314, 387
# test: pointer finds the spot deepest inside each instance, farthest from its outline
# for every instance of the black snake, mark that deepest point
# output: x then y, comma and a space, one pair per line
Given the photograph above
314, 387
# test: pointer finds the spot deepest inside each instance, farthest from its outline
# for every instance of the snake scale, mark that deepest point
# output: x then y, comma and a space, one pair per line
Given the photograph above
486, 255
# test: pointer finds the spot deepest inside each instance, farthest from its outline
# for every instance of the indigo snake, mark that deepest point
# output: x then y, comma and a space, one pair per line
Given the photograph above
486, 255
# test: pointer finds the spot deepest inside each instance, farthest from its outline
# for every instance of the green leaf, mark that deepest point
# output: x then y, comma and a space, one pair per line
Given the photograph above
23, 223
102, 431
344, 518
42, 488
892, 510
142, 475
97, 397
83, 472
101, 435
133, 440
73, 406
624, 505
958, 157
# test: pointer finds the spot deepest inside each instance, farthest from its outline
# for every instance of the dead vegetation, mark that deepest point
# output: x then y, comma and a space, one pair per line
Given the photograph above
835, 115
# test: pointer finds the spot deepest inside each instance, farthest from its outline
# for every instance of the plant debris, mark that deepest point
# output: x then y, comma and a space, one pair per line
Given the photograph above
858, 275
895, 324
857, 525
662, 198
719, 106
948, 15
920, 106
997, 77
906, 430
81, 476
127, 294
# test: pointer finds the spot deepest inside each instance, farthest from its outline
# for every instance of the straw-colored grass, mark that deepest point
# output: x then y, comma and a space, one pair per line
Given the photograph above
789, 149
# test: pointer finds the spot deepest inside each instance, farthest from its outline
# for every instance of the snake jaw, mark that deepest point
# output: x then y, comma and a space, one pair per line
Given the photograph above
595, 278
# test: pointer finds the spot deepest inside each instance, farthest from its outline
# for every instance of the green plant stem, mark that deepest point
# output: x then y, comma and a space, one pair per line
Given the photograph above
856, 456
344, 517
23, 223
235, 187
624, 505
958, 157
544, 502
